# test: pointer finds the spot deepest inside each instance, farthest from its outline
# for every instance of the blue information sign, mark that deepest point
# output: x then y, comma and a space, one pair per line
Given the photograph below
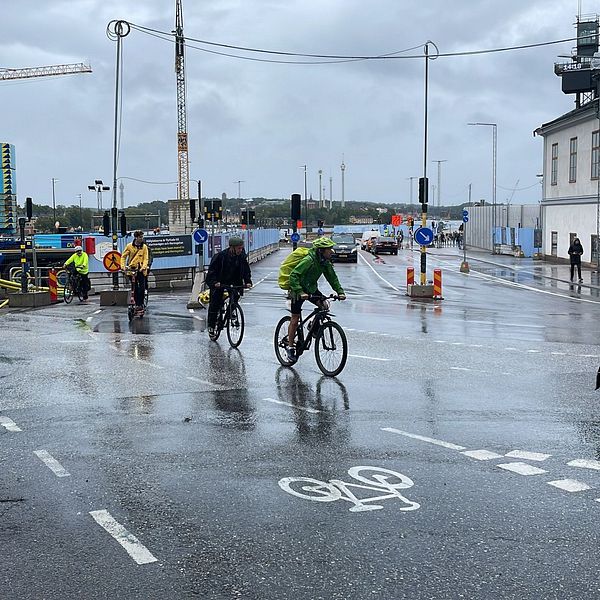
465, 219
200, 236
424, 236
465, 213
295, 237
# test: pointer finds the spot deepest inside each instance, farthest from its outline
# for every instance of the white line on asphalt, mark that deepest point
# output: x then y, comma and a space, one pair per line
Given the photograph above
523, 454
585, 464
559, 353
481, 454
98, 311
533, 351
569, 485
140, 554
304, 408
520, 325
52, 463
522, 468
369, 357
376, 273
9, 424
88, 319
191, 310
424, 439
259, 282
460, 369
509, 348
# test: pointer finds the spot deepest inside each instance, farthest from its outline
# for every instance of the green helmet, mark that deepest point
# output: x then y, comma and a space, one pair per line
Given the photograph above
235, 241
323, 242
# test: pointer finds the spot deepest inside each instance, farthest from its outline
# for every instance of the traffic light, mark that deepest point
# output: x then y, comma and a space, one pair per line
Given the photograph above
192, 209
319, 224
29, 208
248, 217
296, 204
212, 210
123, 223
106, 223
423, 190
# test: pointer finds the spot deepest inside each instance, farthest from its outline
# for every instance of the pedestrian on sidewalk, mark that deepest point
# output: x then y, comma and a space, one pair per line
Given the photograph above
575, 253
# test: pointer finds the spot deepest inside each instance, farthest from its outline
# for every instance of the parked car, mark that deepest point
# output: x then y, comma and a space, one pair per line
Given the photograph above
345, 248
383, 244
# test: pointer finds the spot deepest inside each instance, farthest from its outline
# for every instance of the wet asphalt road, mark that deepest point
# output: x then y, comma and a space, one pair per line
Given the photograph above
144, 461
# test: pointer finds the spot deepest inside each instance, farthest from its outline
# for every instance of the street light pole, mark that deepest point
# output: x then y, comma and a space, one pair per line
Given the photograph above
411, 189
80, 212
439, 180
305, 197
320, 188
54, 180
494, 164
343, 169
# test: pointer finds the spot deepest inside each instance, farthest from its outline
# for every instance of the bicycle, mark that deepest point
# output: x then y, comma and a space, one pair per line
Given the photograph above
231, 316
331, 345
72, 285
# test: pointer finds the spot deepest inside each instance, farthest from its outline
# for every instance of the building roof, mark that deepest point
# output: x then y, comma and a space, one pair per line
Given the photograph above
578, 113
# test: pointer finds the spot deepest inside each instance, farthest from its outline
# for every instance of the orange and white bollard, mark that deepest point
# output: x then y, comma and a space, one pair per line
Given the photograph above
437, 283
53, 285
410, 276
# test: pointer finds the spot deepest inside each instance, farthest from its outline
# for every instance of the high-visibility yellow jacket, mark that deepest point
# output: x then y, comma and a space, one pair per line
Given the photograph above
81, 262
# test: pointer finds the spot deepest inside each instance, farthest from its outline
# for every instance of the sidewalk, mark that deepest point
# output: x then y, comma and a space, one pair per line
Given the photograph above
540, 268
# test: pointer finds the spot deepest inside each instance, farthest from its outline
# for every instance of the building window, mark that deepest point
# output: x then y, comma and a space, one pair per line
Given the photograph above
554, 244
554, 173
573, 160
595, 154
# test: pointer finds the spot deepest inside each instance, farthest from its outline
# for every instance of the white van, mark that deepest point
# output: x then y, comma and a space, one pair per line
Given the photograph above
366, 237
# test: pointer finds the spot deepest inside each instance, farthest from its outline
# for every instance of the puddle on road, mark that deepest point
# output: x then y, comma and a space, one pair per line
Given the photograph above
149, 324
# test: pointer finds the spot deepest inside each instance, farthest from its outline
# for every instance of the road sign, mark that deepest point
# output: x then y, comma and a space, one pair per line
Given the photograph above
424, 236
200, 236
295, 237
112, 261
465, 219
465, 213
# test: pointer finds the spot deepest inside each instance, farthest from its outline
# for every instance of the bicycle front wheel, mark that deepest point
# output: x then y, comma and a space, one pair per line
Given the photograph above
331, 349
281, 342
68, 292
235, 326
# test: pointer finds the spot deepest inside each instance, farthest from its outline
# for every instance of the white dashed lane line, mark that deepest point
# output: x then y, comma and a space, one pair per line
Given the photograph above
304, 408
52, 463
523, 455
585, 464
481, 454
569, 485
140, 554
9, 424
522, 468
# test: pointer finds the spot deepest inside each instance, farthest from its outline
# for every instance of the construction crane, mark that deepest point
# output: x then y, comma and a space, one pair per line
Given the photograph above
49, 71
183, 189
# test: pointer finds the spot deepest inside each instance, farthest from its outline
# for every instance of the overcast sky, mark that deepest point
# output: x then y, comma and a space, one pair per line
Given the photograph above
259, 121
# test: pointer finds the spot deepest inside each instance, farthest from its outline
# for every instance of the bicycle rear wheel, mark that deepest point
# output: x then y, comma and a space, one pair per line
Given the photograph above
235, 325
281, 342
331, 349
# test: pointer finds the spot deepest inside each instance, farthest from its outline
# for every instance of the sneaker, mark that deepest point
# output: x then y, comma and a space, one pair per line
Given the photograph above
580, 280
291, 353
211, 331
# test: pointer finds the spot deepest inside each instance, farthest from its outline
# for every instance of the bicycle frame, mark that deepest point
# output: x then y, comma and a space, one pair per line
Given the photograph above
319, 316
229, 303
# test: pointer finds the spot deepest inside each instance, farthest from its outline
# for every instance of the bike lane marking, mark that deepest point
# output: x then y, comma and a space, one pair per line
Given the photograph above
585, 464
52, 463
369, 357
521, 468
425, 439
304, 408
140, 554
9, 424
376, 273
524, 455
570, 485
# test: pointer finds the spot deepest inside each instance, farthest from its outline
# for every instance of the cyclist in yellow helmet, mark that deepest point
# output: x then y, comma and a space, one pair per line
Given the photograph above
304, 283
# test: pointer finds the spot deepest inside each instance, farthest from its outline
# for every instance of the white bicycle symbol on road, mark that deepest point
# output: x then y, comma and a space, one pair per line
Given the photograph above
381, 480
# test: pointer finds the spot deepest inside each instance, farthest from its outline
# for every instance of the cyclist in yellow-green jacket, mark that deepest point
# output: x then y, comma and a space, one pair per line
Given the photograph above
304, 280
79, 260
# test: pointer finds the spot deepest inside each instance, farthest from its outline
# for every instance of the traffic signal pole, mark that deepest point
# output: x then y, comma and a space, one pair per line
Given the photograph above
423, 181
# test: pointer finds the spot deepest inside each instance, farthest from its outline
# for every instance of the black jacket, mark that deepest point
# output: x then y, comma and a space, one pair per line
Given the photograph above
575, 252
228, 269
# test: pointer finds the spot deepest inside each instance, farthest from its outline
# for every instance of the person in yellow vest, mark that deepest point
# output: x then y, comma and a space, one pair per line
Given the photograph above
79, 260
135, 258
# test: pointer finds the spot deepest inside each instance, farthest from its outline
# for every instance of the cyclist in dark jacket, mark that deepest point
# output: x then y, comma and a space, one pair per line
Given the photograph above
228, 267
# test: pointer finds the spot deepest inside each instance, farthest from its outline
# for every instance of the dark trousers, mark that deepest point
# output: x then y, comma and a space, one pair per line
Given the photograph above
85, 285
573, 265
140, 288
216, 301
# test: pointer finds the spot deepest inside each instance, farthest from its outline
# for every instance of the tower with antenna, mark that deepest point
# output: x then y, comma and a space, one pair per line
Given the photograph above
578, 76
183, 187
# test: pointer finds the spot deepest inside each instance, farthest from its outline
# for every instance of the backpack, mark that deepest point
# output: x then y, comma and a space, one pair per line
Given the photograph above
288, 265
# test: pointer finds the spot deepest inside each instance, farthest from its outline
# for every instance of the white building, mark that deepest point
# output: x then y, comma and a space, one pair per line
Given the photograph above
571, 184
